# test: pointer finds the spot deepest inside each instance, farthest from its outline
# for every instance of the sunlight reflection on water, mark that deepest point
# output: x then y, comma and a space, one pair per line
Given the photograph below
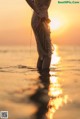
55, 57
55, 92
57, 98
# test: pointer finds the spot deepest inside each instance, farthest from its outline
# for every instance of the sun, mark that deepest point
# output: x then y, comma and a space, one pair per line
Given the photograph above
55, 24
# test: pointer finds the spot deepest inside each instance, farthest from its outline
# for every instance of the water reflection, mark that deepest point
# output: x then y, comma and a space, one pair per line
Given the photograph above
41, 97
55, 57
49, 97
57, 98
55, 92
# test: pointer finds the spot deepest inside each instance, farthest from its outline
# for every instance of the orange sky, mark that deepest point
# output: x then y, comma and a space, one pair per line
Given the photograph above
15, 26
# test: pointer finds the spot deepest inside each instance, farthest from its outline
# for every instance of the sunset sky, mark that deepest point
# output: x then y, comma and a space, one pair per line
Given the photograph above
15, 28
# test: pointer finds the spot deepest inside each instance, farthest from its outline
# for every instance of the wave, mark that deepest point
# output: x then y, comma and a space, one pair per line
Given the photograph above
17, 69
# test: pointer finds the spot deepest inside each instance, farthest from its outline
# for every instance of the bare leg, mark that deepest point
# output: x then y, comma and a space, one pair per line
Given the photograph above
39, 63
46, 63
42, 36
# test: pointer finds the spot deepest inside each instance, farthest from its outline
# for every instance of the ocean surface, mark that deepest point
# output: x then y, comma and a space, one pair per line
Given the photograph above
26, 94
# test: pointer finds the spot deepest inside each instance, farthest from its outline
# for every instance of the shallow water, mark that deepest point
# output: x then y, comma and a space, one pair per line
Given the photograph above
26, 94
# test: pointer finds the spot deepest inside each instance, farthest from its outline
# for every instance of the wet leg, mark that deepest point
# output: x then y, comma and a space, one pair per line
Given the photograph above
39, 63
46, 63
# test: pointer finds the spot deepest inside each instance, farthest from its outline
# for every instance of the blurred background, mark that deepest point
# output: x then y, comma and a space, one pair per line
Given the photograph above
15, 18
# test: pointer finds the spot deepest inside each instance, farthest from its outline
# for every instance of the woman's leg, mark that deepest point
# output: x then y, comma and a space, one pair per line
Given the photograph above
42, 36
39, 63
46, 63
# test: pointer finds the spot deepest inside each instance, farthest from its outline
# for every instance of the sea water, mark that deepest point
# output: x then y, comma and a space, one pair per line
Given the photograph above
26, 94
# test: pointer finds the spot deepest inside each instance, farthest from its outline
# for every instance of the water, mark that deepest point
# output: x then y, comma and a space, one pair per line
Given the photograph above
26, 94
